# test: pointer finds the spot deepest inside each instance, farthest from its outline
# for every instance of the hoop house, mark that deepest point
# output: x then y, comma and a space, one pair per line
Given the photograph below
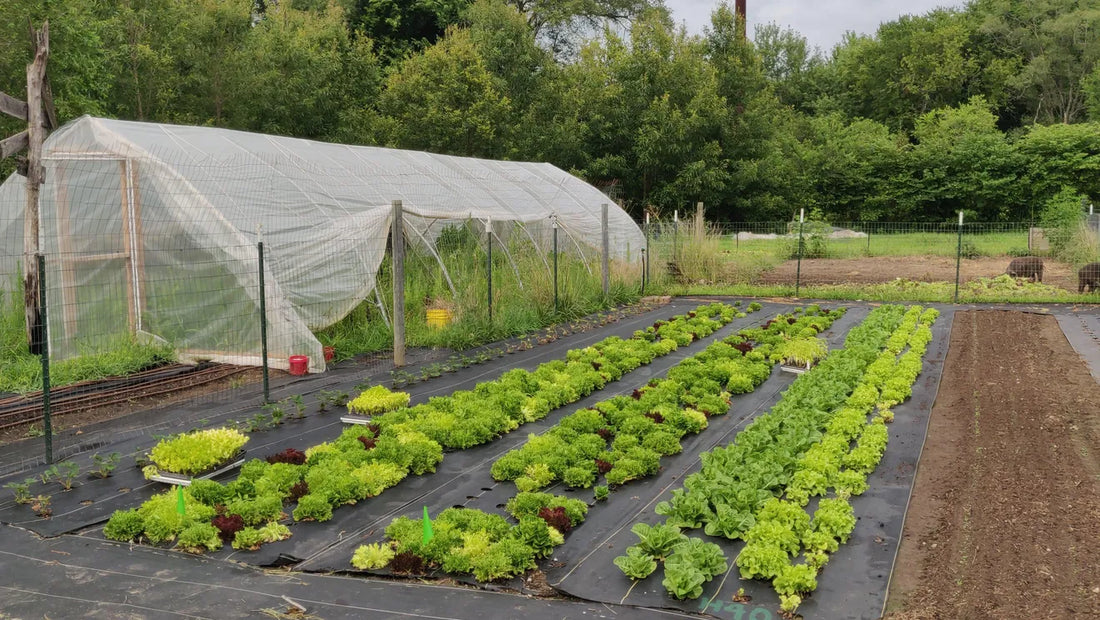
152, 230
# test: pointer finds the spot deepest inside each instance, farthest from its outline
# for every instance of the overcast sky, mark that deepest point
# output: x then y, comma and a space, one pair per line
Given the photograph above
822, 23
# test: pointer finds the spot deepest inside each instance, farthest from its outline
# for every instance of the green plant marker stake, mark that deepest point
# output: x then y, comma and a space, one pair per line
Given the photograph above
180, 507
427, 527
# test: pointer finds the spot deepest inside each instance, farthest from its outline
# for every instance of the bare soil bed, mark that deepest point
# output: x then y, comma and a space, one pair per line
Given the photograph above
1004, 521
874, 270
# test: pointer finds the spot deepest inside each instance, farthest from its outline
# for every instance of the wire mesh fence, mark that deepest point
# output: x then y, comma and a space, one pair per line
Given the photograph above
866, 239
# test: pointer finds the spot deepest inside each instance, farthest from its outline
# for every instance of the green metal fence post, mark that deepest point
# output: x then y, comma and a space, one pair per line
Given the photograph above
555, 225
958, 256
798, 273
263, 320
489, 241
675, 236
47, 424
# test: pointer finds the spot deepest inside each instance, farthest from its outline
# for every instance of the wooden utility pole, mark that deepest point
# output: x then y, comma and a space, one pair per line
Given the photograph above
40, 117
742, 13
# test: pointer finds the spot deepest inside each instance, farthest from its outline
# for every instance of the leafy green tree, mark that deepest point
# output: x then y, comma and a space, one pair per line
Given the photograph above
654, 115
401, 27
912, 66
961, 162
788, 64
298, 71
851, 166
1056, 44
561, 22
1057, 157
445, 100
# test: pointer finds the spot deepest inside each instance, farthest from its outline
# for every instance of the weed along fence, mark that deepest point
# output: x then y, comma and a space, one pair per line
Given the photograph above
210, 244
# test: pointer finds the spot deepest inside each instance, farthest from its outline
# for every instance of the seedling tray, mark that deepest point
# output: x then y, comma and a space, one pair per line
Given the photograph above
185, 481
356, 419
794, 369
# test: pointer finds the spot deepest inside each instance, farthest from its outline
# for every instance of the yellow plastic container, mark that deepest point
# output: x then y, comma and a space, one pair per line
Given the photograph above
439, 318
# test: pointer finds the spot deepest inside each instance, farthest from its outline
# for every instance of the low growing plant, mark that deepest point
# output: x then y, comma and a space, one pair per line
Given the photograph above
40, 504
377, 399
372, 557
192, 453
21, 490
65, 473
124, 526
199, 537
104, 465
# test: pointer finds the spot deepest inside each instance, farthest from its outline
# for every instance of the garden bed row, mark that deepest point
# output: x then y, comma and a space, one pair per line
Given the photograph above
622, 439
756, 488
365, 460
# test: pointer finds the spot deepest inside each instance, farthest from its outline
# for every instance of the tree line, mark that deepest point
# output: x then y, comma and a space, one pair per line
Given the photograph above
992, 109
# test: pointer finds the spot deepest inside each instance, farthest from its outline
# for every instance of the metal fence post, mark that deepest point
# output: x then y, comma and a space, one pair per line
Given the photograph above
798, 273
489, 241
868, 241
958, 256
605, 236
47, 424
397, 234
675, 236
263, 319
554, 223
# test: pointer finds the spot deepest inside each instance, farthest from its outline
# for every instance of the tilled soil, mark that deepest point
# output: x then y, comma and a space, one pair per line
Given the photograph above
1004, 521
879, 269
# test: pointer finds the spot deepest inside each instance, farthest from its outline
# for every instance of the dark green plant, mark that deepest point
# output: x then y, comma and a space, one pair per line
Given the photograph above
124, 526
299, 405
313, 507
64, 473
257, 422
276, 411
199, 537
104, 465
21, 490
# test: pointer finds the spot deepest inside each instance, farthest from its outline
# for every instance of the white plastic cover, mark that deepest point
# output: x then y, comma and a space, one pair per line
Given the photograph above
152, 229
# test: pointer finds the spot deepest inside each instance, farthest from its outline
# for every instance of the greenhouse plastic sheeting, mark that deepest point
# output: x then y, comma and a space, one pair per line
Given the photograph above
151, 229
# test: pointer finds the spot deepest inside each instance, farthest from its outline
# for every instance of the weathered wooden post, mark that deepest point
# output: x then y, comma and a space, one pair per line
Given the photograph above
40, 117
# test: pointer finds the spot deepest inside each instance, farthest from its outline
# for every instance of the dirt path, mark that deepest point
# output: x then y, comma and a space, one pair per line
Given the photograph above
920, 268
1004, 521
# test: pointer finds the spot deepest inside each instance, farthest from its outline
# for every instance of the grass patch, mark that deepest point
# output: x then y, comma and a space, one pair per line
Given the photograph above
22, 372
1002, 289
888, 244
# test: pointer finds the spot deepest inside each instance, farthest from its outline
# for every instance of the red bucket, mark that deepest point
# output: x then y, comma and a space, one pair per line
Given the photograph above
299, 364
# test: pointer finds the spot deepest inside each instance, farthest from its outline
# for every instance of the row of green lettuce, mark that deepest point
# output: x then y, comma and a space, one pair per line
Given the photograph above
622, 438
365, 460
801, 449
834, 469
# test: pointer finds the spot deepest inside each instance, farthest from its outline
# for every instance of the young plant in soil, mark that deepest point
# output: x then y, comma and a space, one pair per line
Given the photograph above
104, 465
276, 411
21, 490
40, 504
65, 473
299, 406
